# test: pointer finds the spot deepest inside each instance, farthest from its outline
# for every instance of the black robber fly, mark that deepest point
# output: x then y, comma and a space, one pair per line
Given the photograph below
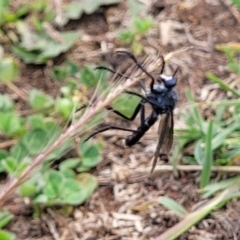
162, 98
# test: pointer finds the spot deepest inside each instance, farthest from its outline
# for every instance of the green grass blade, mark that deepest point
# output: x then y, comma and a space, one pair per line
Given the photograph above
222, 84
195, 111
207, 164
221, 136
173, 205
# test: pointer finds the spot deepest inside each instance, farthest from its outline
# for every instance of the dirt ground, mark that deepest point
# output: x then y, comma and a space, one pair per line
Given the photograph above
109, 214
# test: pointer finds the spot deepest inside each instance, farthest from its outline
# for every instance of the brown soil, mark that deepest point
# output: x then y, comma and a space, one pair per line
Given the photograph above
109, 214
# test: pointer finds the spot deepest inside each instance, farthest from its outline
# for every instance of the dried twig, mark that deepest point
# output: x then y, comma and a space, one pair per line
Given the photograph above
141, 173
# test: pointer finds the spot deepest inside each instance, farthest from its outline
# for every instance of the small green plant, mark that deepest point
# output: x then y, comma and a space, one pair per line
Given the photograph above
216, 142
133, 35
237, 3
5, 218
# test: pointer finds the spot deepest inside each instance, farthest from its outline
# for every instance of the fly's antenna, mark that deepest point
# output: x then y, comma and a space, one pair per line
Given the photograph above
175, 72
163, 65
140, 67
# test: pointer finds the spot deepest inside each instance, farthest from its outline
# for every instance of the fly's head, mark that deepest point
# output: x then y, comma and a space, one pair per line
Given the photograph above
169, 82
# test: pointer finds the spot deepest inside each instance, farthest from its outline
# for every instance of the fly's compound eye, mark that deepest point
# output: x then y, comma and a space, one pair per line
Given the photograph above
168, 81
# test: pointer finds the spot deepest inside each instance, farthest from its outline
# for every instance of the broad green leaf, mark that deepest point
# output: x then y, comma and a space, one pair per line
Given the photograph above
6, 103
173, 205
19, 151
9, 69
38, 48
72, 192
27, 189
36, 140
36, 121
88, 183
53, 49
92, 6
88, 77
90, 155
3, 155
11, 124
39, 100
4, 235
69, 163
68, 173
125, 104
41, 198
5, 218
54, 184
4, 4
65, 107
25, 55
9, 164
74, 10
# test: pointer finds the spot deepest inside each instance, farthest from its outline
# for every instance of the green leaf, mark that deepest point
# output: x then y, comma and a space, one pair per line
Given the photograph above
88, 77
68, 173
38, 48
198, 152
54, 184
125, 104
11, 124
39, 100
6, 103
5, 218
9, 69
61, 150
36, 121
69, 163
142, 25
53, 49
19, 151
90, 155
173, 205
65, 107
208, 159
4, 235
41, 199
126, 36
27, 189
10, 164
74, 10
88, 184
222, 84
36, 140
220, 137
72, 192
136, 7
213, 188
3, 155
195, 113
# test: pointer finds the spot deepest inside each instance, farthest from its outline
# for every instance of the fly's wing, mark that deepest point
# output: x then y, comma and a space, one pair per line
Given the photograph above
165, 141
